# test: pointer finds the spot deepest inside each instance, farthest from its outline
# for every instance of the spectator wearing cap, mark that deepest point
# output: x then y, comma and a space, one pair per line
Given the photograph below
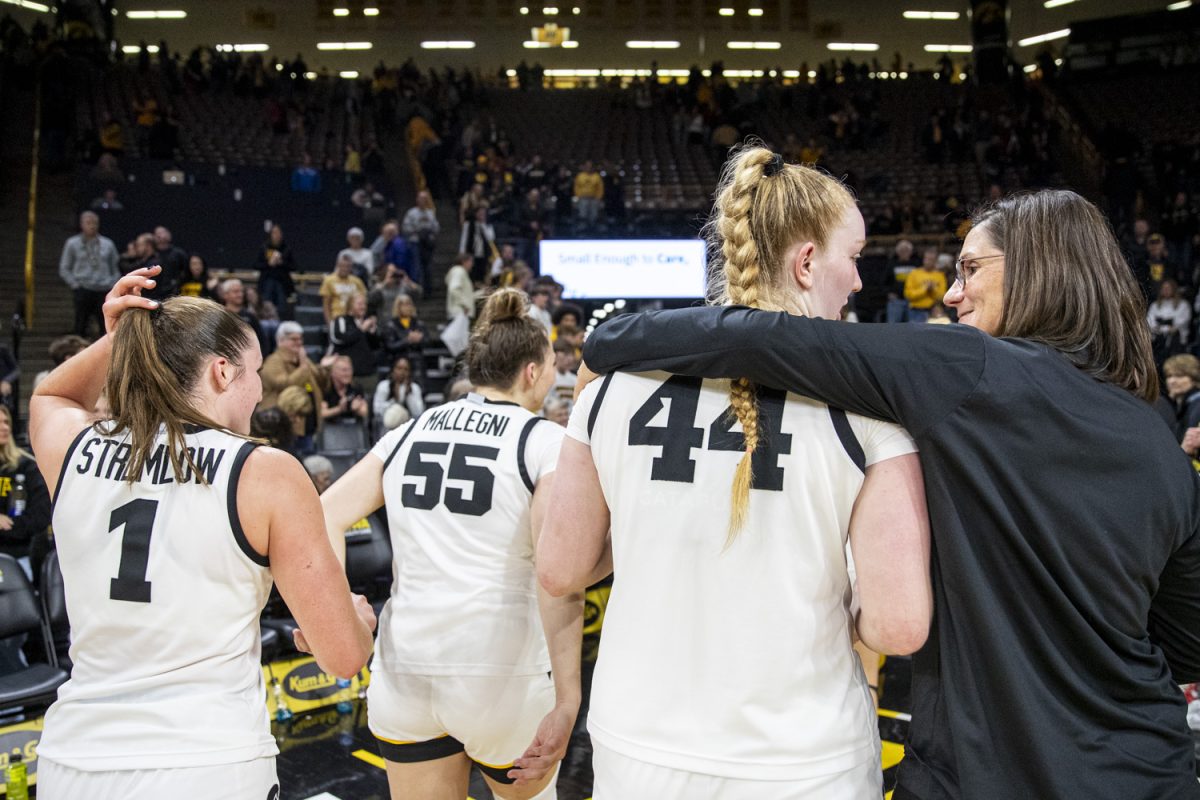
362, 259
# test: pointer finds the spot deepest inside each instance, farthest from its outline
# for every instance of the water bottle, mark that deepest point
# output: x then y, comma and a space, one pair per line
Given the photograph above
343, 695
16, 506
16, 783
282, 712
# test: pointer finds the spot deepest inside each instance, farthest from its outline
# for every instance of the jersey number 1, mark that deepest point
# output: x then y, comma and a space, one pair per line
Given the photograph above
137, 517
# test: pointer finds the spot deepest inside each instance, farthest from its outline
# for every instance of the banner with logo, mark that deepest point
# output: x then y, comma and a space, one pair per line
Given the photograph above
302, 686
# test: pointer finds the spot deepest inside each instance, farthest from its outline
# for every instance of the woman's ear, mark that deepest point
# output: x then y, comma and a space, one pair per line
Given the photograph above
223, 372
802, 265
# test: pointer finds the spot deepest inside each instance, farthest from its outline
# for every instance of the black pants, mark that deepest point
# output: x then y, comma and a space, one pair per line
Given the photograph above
88, 305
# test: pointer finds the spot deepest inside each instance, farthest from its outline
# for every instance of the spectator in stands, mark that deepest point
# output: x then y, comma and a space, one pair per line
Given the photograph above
367, 196
421, 229
479, 239
89, 267
566, 317
899, 265
1170, 320
460, 291
566, 361
398, 389
112, 138
61, 349
539, 300
268, 316
924, 286
273, 425
320, 472
288, 366
338, 287
275, 266
352, 164
397, 252
1156, 266
233, 297
589, 194
469, 202
18, 527
387, 232
356, 335
139, 254
394, 283
533, 224
404, 334
107, 172
1182, 373
173, 261
362, 259
344, 399
299, 407
1179, 228
500, 273
557, 410
196, 281
305, 177
1133, 243
108, 202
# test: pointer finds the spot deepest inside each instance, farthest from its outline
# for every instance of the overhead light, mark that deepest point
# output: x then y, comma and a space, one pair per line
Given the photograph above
345, 45
242, 48
550, 11
755, 12
29, 4
156, 14
933, 14
370, 12
863, 47
450, 45
576, 10
1057, 3
753, 45
341, 12
131, 49
1182, 4
1045, 37
348, 73
658, 45
278, 67
524, 9
573, 73
1029, 68
948, 48
726, 12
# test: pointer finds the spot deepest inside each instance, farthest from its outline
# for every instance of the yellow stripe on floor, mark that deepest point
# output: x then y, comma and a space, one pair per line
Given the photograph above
370, 758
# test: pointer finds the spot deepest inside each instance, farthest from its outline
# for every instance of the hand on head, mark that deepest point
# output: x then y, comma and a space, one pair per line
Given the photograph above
127, 294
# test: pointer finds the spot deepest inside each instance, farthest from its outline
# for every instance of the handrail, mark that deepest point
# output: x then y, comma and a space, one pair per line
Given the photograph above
32, 214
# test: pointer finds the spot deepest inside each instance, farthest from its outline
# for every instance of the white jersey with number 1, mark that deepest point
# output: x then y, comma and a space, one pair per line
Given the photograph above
729, 661
164, 594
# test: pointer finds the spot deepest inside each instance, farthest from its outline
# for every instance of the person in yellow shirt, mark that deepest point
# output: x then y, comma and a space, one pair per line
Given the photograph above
924, 286
589, 193
338, 287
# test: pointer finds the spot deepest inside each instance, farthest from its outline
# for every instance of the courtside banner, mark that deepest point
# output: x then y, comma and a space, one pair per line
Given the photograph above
625, 268
303, 686
20, 739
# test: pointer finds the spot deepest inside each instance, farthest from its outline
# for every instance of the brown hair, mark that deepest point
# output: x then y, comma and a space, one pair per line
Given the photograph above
504, 340
64, 347
1067, 286
157, 358
762, 208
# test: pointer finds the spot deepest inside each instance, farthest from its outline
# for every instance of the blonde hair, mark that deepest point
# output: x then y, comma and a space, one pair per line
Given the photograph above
157, 359
10, 454
763, 207
294, 401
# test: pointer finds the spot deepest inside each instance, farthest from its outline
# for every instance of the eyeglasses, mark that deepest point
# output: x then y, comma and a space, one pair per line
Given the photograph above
963, 270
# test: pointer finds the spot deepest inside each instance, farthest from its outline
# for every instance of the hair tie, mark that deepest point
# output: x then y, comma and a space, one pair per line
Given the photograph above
773, 166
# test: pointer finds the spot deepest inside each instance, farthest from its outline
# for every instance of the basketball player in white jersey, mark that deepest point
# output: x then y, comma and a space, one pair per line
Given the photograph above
727, 669
460, 669
170, 526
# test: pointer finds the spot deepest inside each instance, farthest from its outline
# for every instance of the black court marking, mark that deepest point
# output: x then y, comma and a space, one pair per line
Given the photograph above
528, 481
849, 441
596, 405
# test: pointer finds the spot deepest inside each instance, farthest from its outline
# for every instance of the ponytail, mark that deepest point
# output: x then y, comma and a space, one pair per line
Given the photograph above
504, 340
157, 358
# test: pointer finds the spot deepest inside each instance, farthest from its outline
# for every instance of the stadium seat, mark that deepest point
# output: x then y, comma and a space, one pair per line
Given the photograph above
27, 684
54, 609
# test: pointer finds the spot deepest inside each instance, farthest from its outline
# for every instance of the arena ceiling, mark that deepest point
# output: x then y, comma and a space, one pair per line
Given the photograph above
765, 33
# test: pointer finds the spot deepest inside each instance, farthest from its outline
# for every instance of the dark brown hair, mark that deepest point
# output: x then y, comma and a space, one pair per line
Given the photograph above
504, 340
157, 358
1066, 285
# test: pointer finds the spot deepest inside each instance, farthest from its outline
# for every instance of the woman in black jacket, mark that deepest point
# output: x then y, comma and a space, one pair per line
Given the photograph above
354, 334
21, 520
275, 265
1065, 517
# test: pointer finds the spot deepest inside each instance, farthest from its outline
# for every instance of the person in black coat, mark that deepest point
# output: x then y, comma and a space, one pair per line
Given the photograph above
275, 264
1182, 373
1065, 517
19, 527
